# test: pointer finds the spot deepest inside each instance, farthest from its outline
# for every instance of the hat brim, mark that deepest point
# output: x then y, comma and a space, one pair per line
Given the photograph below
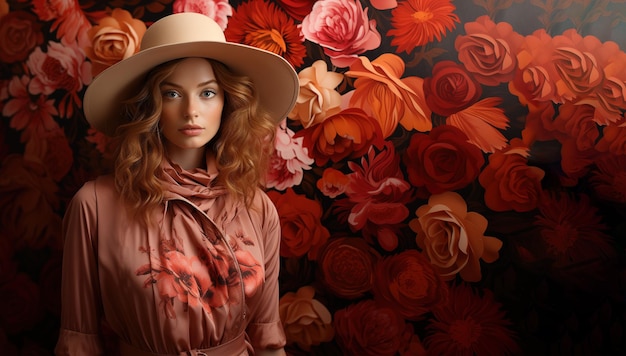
274, 78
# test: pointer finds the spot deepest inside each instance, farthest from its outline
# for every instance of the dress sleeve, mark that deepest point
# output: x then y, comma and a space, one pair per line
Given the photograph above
80, 312
265, 329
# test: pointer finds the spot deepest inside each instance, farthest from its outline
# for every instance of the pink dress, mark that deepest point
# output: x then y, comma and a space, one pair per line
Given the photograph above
204, 274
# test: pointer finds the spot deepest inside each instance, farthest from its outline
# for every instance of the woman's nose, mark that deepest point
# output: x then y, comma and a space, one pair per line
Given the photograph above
191, 110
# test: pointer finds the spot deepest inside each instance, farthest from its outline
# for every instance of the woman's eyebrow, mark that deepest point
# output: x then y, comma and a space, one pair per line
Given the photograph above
199, 84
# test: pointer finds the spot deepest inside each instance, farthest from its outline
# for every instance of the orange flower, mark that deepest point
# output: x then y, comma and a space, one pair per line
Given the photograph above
470, 324
453, 238
480, 122
300, 220
116, 37
489, 50
380, 92
509, 182
408, 283
347, 134
263, 25
332, 183
576, 122
613, 140
318, 96
346, 265
418, 22
305, 320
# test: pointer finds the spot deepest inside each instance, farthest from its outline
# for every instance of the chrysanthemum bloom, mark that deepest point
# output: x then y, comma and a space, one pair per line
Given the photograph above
264, 25
307, 322
453, 238
470, 324
418, 22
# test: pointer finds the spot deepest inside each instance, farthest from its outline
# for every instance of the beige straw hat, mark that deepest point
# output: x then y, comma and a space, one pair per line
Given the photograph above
189, 35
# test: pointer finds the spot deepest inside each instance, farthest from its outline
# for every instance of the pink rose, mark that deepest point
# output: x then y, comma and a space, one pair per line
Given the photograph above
343, 28
62, 67
218, 10
289, 160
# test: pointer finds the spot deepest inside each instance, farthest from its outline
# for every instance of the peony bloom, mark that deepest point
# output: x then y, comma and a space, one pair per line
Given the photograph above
342, 28
29, 204
69, 20
488, 50
609, 178
33, 117
262, 24
443, 160
368, 328
218, 10
450, 89
418, 22
305, 320
377, 195
20, 33
470, 324
509, 182
380, 91
346, 265
116, 37
452, 238
288, 161
318, 97
300, 220
333, 183
408, 283
347, 134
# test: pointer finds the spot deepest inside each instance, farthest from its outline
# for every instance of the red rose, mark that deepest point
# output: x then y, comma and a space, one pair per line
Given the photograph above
346, 266
450, 89
20, 32
443, 160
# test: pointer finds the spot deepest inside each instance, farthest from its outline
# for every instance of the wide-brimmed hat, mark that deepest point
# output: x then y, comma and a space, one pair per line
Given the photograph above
184, 35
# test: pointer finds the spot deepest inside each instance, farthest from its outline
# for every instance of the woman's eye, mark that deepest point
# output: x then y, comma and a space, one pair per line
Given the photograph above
208, 93
170, 94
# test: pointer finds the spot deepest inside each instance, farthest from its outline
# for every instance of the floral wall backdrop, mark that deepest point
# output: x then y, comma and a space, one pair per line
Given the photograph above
451, 181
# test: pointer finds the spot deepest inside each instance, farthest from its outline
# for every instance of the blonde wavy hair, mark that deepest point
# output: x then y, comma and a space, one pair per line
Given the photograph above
242, 146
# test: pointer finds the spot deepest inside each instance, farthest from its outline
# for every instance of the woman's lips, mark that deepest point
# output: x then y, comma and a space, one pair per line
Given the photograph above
191, 130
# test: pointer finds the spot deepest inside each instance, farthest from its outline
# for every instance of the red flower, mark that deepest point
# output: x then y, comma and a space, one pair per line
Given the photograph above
20, 33
300, 220
346, 266
470, 324
263, 25
367, 328
609, 179
298, 9
443, 160
450, 89
418, 22
408, 283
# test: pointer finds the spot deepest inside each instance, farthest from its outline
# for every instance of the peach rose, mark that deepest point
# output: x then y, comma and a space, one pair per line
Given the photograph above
116, 37
408, 283
218, 10
392, 100
20, 33
346, 266
450, 89
306, 321
489, 50
452, 238
346, 134
342, 28
300, 220
509, 182
318, 97
442, 160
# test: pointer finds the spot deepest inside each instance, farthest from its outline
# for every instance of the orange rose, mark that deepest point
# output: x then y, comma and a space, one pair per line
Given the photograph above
346, 266
20, 33
509, 182
453, 238
300, 220
347, 134
381, 92
305, 320
408, 283
116, 37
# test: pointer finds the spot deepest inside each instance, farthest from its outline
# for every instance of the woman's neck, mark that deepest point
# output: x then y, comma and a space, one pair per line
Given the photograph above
188, 159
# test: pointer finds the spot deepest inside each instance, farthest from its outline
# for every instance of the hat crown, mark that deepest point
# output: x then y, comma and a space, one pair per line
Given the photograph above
184, 27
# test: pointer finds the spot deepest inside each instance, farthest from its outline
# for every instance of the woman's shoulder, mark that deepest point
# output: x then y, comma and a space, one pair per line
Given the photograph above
97, 188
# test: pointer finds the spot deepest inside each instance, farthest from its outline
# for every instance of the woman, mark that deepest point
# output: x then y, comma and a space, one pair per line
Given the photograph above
176, 253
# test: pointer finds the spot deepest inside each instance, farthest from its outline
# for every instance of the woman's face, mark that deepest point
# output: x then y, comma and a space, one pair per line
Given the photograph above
192, 108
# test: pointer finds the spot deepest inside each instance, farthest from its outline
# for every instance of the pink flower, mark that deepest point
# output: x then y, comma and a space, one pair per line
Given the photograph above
342, 28
288, 161
70, 22
218, 10
34, 117
62, 67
